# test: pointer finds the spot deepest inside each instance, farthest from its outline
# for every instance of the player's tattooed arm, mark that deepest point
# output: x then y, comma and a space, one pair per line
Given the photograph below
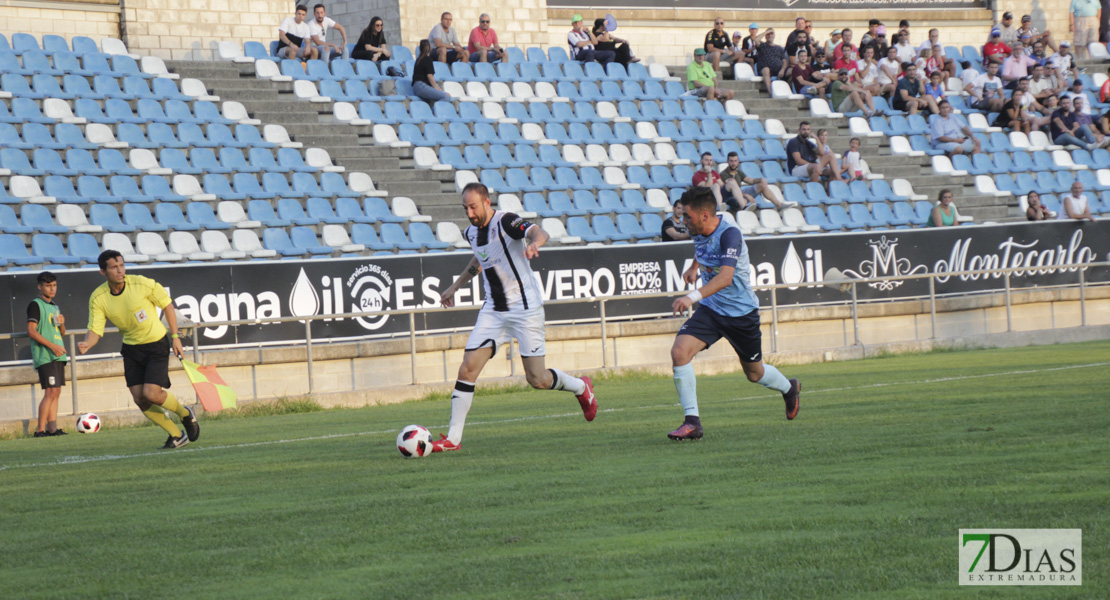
447, 297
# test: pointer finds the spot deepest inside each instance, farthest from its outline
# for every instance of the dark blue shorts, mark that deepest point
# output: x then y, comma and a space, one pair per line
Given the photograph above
742, 332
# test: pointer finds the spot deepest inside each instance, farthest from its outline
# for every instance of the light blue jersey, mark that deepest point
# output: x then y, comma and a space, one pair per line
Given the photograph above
725, 247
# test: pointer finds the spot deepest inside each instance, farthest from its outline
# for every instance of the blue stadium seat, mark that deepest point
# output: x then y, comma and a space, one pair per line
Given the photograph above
216, 183
584, 201
394, 235
202, 215
379, 211
350, 211
106, 216
421, 233
139, 217
50, 161
158, 187
792, 192
279, 185
904, 213
125, 187
603, 225
37, 217
278, 240
628, 225
840, 217
62, 189
536, 55
881, 190
860, 215
816, 194
580, 227
93, 189
839, 192
924, 209
13, 250
263, 212
247, 185
885, 215
50, 249
362, 233
171, 215
321, 210
861, 193
291, 210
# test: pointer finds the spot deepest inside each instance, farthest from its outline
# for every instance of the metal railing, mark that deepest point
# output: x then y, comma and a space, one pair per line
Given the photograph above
604, 320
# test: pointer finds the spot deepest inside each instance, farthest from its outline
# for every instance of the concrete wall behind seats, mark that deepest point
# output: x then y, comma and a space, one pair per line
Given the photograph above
192, 29
92, 18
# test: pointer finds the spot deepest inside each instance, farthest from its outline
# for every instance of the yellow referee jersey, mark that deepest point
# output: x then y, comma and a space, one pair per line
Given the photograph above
133, 311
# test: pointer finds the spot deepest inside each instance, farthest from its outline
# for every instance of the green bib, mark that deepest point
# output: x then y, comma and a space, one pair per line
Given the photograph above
48, 329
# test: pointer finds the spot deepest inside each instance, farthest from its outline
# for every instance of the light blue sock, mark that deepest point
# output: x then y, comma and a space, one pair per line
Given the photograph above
687, 385
774, 379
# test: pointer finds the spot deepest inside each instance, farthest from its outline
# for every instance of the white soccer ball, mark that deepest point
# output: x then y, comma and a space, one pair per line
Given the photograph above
414, 441
88, 423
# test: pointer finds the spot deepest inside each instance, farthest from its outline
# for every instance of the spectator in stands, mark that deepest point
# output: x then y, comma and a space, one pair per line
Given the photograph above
936, 62
737, 50
847, 61
805, 80
947, 133
872, 29
1061, 62
1038, 54
853, 161
771, 60
826, 153
1104, 89
707, 176
1083, 23
819, 63
1009, 33
927, 50
607, 42
582, 44
1038, 115
717, 44
935, 86
749, 47
909, 95
1035, 36
1104, 123
1074, 205
878, 43
832, 42
944, 213
319, 28
867, 72
995, 51
845, 43
1078, 98
906, 52
1086, 122
1013, 115
1037, 211
801, 42
1016, 66
890, 70
1067, 129
904, 28
445, 42
482, 44
799, 28
371, 44
986, 91
1042, 87
801, 156
293, 34
423, 76
748, 187
701, 78
847, 97
969, 74
674, 226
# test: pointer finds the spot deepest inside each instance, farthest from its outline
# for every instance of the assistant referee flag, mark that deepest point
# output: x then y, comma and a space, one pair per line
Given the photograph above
213, 393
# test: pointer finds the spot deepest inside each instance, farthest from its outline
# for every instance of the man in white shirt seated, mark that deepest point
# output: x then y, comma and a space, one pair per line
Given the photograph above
949, 134
1074, 205
319, 28
294, 34
445, 42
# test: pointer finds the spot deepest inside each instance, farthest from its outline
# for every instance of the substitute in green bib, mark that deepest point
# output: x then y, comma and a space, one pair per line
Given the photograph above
131, 303
46, 326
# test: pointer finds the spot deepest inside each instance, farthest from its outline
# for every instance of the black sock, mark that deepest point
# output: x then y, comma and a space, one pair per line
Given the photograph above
693, 420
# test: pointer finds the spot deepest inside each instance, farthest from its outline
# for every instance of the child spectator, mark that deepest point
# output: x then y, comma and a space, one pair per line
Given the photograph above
852, 160
46, 326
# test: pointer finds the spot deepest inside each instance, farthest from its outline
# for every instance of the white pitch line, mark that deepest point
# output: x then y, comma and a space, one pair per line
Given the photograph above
73, 460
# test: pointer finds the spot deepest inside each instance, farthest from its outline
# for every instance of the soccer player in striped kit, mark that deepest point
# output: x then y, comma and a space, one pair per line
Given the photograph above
503, 243
728, 308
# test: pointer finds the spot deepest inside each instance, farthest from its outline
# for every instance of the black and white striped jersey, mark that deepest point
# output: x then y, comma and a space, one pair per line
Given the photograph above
499, 247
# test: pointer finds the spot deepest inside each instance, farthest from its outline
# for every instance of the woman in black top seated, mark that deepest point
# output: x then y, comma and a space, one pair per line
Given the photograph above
423, 76
371, 43
607, 41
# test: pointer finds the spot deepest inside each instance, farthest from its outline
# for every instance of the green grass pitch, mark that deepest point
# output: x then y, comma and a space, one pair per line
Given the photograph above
860, 497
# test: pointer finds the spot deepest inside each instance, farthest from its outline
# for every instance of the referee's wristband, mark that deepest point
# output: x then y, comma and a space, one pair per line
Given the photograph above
174, 336
694, 296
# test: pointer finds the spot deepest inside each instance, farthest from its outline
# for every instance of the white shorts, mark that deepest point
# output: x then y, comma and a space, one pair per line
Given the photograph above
800, 171
494, 328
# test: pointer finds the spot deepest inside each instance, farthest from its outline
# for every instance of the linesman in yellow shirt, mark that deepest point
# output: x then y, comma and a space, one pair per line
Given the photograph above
131, 302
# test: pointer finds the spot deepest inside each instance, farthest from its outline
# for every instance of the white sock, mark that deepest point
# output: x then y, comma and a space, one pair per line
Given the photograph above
686, 383
461, 399
774, 379
570, 383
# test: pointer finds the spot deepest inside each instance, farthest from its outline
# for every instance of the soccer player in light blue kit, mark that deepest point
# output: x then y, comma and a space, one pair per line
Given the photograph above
728, 309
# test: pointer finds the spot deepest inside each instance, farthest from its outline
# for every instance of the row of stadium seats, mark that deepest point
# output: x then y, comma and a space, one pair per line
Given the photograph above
52, 44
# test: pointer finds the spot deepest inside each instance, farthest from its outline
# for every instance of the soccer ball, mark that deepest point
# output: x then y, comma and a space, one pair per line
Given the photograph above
414, 442
88, 423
